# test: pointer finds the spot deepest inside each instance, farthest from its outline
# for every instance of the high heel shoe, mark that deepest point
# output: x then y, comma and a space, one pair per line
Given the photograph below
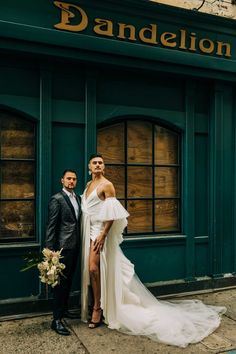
93, 324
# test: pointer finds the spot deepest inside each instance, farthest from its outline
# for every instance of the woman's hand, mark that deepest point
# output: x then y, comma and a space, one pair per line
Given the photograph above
100, 240
99, 243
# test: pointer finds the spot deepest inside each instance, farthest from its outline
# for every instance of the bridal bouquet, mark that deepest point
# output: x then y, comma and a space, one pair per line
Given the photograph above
49, 266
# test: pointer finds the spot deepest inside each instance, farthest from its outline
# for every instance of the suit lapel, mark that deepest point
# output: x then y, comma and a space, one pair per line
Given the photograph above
67, 199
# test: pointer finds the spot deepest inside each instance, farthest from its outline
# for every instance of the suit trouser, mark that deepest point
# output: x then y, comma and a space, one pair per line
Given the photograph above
62, 291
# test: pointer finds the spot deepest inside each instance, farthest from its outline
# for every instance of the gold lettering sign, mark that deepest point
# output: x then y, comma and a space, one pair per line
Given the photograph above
104, 27
149, 35
167, 39
192, 46
75, 19
67, 15
122, 28
206, 45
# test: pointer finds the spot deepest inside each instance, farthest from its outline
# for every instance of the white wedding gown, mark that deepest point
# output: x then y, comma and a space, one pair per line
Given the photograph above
128, 306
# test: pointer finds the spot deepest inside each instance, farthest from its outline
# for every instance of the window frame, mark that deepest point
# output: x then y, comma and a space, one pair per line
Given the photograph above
153, 166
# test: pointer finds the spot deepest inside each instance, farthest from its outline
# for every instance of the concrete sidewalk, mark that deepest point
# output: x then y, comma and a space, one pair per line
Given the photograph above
34, 336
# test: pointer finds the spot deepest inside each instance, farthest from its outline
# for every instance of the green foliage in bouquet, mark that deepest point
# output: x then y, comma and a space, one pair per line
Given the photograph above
32, 259
49, 265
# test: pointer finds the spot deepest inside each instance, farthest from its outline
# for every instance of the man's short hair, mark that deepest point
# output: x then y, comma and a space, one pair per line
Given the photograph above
95, 155
68, 170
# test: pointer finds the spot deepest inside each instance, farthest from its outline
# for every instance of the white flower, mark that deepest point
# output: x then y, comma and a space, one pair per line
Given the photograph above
43, 279
55, 260
45, 265
47, 252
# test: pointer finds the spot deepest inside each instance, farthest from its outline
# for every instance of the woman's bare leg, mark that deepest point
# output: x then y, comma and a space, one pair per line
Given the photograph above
94, 270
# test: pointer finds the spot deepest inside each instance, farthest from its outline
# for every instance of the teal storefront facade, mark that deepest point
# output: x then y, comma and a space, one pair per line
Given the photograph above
72, 68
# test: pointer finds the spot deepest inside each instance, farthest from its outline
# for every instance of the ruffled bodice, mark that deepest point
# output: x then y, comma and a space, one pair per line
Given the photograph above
98, 211
127, 304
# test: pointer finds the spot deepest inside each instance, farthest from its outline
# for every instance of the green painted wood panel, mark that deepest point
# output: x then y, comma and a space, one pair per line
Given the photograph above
132, 90
90, 120
19, 80
156, 262
201, 185
16, 284
67, 152
44, 161
202, 264
221, 181
227, 180
188, 180
68, 83
68, 94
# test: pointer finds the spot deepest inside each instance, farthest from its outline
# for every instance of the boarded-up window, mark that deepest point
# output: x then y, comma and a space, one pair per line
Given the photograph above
142, 160
17, 178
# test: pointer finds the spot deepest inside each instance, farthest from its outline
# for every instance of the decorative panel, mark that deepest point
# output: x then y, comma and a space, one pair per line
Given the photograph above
116, 174
17, 138
166, 182
166, 146
17, 219
17, 179
140, 219
166, 215
139, 181
139, 142
110, 143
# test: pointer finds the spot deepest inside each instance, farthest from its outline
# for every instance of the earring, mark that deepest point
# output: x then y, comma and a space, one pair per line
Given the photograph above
89, 172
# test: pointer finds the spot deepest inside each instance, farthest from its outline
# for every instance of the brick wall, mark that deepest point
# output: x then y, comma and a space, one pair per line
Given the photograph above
223, 8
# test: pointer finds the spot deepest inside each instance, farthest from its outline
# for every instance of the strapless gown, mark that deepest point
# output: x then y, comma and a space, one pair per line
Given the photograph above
128, 306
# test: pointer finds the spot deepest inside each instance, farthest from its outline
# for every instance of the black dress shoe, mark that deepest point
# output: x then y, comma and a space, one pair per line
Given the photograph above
60, 328
68, 314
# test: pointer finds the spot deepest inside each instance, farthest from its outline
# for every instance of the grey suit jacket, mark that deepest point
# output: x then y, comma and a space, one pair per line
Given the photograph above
63, 229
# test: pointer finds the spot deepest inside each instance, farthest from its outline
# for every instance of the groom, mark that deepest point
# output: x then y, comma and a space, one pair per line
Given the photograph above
63, 231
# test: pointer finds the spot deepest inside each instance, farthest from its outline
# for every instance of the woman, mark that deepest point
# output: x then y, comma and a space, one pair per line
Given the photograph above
118, 294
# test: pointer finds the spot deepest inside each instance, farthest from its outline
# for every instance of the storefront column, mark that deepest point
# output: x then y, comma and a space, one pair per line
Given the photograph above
189, 178
44, 153
90, 119
221, 182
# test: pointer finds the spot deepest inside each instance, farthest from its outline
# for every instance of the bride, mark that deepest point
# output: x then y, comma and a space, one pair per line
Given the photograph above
118, 294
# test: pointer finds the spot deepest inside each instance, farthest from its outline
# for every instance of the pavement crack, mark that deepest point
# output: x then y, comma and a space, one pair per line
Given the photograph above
77, 337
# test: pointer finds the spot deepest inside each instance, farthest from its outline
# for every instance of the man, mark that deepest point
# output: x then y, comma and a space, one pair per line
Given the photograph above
63, 231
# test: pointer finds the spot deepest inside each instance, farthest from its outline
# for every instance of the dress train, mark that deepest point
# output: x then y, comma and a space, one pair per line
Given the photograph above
128, 306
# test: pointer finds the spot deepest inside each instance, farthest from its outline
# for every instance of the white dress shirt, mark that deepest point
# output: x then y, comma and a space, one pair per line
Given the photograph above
73, 200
